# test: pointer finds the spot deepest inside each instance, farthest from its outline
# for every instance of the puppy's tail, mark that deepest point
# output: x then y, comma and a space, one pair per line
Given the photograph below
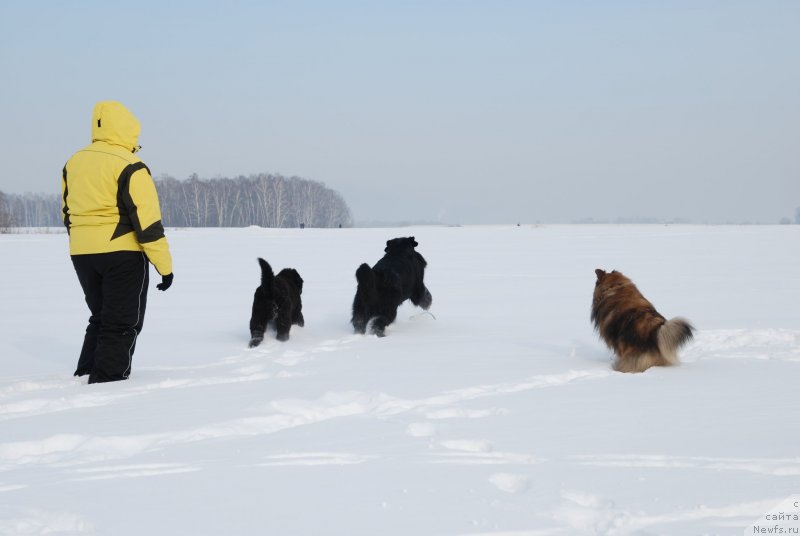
366, 282
267, 276
671, 336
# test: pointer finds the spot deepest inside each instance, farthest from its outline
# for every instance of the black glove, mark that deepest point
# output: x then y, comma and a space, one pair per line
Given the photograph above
166, 282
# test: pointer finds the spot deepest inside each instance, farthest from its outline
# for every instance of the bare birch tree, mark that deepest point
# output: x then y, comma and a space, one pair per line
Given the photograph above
6, 218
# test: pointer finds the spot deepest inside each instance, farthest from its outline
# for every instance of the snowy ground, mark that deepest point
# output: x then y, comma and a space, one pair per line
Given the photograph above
501, 416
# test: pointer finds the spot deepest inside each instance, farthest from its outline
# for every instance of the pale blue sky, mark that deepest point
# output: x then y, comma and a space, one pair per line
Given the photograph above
452, 111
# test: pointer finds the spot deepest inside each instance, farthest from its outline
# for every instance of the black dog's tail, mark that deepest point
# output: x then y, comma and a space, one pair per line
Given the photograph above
366, 283
267, 276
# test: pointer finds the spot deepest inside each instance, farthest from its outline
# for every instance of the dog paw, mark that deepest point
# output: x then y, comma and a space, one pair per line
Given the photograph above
283, 337
255, 341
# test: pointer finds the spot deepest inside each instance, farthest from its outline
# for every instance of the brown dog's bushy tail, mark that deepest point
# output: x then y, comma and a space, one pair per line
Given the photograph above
267, 276
671, 336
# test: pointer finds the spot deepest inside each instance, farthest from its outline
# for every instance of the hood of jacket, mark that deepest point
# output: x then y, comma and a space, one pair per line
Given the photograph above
113, 123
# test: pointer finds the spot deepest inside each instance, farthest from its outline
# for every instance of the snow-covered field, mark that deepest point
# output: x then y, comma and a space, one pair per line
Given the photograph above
500, 416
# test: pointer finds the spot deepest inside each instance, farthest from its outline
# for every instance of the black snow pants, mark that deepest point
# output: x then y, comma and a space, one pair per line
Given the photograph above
115, 287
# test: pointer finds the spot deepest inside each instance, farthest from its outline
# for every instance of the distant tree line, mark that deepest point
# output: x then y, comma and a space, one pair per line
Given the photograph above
30, 210
263, 200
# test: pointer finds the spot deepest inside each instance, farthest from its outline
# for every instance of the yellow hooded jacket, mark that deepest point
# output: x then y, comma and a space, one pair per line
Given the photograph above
109, 201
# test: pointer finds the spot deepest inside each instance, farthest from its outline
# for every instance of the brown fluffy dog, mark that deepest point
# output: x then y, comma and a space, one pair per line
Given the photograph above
629, 324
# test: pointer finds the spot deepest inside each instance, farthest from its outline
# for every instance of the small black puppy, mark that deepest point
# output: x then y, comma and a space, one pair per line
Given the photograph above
277, 300
397, 277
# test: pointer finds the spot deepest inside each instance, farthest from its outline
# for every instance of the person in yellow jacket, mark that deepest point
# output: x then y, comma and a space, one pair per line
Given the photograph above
111, 212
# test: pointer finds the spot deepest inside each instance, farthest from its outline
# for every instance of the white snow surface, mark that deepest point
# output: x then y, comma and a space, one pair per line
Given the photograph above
497, 415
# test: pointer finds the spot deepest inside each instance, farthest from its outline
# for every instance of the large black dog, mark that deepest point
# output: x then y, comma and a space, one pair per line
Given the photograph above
397, 277
277, 300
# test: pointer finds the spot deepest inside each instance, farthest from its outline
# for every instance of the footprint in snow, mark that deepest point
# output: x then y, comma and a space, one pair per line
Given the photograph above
510, 483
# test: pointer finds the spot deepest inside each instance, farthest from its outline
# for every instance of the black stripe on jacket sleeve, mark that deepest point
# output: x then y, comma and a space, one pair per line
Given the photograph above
128, 215
65, 210
152, 233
